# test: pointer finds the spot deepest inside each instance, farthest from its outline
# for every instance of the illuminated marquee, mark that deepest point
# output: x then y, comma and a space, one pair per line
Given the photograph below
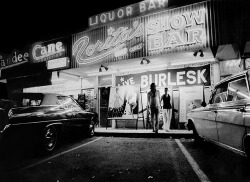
47, 52
114, 44
170, 32
130, 11
13, 59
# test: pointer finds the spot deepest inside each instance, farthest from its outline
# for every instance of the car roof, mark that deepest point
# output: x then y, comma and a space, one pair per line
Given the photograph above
47, 98
233, 76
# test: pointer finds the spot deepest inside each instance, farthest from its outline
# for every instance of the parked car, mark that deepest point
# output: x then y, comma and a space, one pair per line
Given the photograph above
225, 120
44, 117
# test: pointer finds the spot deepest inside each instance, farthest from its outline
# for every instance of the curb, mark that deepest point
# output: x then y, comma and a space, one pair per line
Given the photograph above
145, 135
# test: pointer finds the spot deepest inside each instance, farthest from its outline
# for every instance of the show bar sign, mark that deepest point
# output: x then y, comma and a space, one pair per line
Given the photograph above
169, 77
142, 8
178, 30
14, 59
45, 51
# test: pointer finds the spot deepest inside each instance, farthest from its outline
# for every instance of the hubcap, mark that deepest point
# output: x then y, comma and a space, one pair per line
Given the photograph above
91, 129
50, 138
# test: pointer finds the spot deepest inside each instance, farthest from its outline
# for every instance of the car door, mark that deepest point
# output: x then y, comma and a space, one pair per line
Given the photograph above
205, 119
230, 114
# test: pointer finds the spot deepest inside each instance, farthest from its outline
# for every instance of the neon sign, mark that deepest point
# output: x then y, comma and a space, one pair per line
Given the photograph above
130, 11
179, 30
47, 52
85, 53
13, 59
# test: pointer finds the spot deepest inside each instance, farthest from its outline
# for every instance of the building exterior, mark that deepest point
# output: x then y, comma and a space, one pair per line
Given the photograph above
187, 46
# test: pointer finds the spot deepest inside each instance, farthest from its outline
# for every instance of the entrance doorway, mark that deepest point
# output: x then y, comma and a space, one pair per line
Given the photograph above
104, 103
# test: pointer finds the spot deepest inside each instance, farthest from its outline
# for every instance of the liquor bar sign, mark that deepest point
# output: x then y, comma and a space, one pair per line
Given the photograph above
169, 77
142, 8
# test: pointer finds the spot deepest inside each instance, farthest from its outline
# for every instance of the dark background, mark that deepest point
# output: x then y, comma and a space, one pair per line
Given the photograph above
23, 23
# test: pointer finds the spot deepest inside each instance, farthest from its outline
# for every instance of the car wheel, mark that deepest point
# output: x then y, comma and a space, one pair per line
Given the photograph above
50, 139
197, 138
247, 146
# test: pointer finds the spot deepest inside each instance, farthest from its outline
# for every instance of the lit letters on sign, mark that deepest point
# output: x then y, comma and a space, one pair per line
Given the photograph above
128, 12
13, 59
169, 32
42, 53
86, 53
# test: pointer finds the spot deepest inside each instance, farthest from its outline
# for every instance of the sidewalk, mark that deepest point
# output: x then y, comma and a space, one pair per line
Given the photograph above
142, 133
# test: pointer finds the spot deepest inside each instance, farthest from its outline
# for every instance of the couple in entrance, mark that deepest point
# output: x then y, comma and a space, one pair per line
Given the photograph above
154, 104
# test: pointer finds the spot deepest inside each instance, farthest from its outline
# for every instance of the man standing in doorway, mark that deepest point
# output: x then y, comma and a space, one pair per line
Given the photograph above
154, 105
166, 110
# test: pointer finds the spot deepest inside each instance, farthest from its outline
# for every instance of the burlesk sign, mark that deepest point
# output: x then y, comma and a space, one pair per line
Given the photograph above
174, 30
49, 50
170, 77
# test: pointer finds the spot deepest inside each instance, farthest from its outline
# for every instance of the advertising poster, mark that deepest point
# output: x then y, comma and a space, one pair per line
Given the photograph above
190, 98
124, 102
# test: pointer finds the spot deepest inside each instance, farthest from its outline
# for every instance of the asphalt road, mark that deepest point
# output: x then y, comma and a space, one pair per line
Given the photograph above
127, 159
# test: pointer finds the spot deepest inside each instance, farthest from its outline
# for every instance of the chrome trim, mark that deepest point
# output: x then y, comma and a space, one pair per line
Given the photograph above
5, 128
241, 152
48, 121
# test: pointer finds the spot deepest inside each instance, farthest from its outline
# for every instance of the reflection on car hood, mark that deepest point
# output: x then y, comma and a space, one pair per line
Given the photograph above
197, 109
29, 110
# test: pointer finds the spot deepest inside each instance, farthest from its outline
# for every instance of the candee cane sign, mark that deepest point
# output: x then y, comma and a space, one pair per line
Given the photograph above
44, 51
13, 59
169, 77
178, 29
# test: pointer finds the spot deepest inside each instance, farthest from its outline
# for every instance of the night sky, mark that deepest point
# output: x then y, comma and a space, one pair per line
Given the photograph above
24, 23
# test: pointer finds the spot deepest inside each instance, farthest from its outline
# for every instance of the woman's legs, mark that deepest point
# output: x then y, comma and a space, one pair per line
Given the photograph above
164, 115
169, 116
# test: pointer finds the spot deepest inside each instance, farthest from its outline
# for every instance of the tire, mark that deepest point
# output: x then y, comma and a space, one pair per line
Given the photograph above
197, 139
49, 139
247, 147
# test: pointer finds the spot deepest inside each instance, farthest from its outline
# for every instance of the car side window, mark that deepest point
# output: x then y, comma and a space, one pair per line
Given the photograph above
220, 95
238, 90
67, 103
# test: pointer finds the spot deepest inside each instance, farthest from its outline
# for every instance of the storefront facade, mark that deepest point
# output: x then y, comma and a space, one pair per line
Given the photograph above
185, 47
166, 39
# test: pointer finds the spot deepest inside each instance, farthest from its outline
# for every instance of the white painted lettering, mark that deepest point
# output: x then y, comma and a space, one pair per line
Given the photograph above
144, 81
162, 79
169, 80
179, 77
191, 77
200, 76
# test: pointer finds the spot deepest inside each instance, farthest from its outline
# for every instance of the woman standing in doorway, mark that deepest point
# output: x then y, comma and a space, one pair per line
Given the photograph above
166, 110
